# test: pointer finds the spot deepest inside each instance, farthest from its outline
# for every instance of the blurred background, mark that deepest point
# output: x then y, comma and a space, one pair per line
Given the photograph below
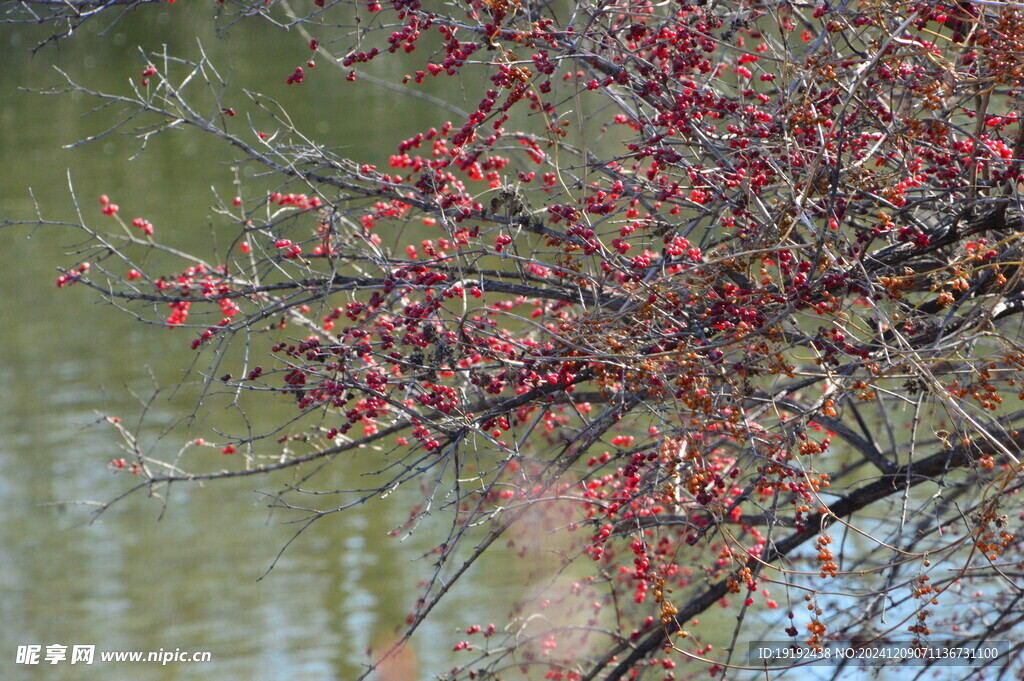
146, 575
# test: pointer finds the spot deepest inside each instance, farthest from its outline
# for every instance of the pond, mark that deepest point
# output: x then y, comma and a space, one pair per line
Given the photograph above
154, 574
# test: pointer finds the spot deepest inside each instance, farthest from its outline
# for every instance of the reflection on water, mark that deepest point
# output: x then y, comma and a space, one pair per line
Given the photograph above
148, 575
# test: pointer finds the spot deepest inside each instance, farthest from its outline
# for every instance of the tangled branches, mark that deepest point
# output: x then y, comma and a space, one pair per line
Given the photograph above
697, 288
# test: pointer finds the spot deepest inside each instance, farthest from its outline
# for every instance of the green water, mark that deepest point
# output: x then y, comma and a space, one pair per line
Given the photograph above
147, 575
